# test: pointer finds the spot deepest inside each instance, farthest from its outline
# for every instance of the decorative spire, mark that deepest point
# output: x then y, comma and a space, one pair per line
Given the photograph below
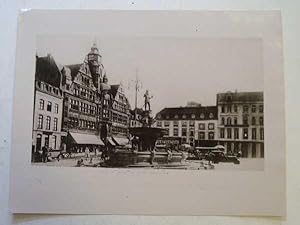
105, 80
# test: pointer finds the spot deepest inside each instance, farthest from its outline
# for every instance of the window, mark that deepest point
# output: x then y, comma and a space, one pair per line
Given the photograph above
253, 150
253, 133
201, 135
192, 123
211, 115
223, 109
191, 141
56, 108
42, 102
235, 121
222, 133
211, 135
183, 132
245, 108
192, 132
261, 121
228, 133
211, 126
175, 132
54, 141
176, 116
236, 133
228, 121
202, 116
253, 108
55, 124
245, 120
159, 123
261, 108
40, 122
158, 116
223, 121
253, 121
48, 120
49, 106
235, 108
229, 108
175, 123
201, 126
245, 133
261, 133
193, 116
184, 124
166, 123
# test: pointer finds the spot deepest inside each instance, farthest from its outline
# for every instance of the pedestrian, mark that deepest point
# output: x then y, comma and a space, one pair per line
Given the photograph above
44, 154
87, 153
152, 156
80, 163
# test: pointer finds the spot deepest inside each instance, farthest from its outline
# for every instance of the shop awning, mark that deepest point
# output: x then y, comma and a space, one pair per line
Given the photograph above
110, 141
121, 140
86, 139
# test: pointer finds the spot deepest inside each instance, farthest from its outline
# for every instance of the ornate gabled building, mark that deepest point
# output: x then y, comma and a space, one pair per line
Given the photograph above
120, 115
76, 107
95, 113
82, 114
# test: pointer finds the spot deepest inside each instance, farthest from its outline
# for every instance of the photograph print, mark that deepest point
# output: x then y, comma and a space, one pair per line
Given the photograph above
148, 103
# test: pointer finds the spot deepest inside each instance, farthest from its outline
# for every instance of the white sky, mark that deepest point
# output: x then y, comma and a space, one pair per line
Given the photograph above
175, 70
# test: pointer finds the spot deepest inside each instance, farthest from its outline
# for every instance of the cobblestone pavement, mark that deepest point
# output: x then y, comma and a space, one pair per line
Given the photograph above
245, 164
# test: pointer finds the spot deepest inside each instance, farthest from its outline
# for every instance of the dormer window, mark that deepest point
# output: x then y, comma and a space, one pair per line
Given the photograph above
176, 116
211, 115
202, 116
183, 116
158, 116
229, 98
193, 116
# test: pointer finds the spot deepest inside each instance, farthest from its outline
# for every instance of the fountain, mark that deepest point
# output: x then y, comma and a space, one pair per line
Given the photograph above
143, 152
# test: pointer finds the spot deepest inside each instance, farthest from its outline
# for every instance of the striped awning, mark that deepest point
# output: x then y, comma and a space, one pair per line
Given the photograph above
110, 141
86, 139
121, 140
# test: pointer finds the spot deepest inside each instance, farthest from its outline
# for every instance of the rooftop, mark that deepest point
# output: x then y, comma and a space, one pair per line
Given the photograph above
188, 113
240, 97
47, 70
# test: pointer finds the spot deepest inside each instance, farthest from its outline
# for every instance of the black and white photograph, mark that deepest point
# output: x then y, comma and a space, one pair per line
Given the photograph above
149, 113
160, 103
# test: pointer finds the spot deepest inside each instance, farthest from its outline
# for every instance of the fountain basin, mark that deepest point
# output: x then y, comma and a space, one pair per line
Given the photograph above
125, 158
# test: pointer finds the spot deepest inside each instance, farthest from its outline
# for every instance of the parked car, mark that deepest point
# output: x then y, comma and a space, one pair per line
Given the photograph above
217, 156
57, 154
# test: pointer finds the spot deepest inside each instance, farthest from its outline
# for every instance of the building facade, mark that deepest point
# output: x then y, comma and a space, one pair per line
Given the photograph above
94, 110
48, 105
241, 123
195, 125
120, 115
84, 113
136, 117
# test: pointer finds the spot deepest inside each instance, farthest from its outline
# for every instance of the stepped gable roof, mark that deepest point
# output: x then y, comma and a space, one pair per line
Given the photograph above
240, 97
47, 70
74, 68
189, 113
